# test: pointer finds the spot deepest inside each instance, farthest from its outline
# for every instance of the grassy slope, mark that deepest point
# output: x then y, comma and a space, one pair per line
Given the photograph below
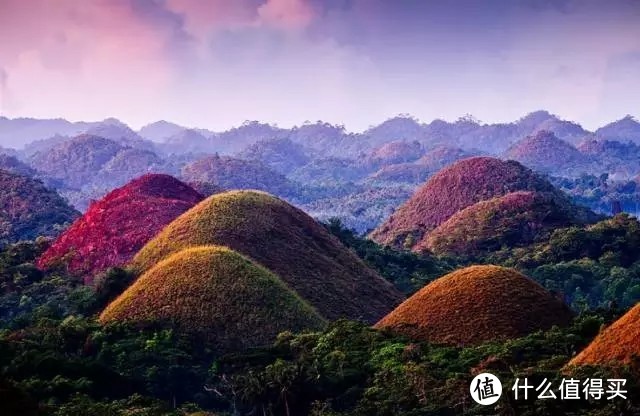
477, 304
217, 293
288, 242
515, 219
456, 187
617, 344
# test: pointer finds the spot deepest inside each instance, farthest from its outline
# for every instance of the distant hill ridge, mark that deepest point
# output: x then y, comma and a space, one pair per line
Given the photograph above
465, 132
544, 152
28, 209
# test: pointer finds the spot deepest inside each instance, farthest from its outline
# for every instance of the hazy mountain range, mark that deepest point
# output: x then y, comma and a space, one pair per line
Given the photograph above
466, 132
323, 168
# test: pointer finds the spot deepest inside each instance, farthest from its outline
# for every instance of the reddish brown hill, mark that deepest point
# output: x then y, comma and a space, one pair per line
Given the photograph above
116, 227
619, 344
475, 305
453, 188
543, 151
515, 219
288, 242
399, 151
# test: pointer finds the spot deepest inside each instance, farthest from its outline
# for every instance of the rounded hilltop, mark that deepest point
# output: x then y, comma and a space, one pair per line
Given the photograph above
515, 219
475, 305
286, 241
217, 294
545, 152
452, 189
29, 210
114, 228
617, 345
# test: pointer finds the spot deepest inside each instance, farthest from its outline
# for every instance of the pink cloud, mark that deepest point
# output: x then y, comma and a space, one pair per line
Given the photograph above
79, 54
202, 17
289, 14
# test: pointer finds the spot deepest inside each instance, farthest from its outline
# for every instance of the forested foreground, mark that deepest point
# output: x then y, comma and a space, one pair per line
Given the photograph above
55, 359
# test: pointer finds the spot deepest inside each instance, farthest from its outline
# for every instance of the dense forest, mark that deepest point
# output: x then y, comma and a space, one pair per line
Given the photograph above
58, 360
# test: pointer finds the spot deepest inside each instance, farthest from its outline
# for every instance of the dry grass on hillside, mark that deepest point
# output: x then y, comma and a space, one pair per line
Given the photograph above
515, 219
286, 241
216, 293
619, 344
452, 189
477, 304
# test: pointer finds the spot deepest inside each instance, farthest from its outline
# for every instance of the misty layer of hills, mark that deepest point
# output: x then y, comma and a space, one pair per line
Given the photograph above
326, 170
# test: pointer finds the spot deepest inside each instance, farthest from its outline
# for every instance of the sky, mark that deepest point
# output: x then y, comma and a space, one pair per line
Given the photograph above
217, 63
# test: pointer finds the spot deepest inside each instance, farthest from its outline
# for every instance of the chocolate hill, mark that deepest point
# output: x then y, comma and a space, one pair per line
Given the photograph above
216, 293
619, 344
543, 151
475, 305
288, 242
28, 209
116, 227
398, 151
515, 219
453, 188
626, 129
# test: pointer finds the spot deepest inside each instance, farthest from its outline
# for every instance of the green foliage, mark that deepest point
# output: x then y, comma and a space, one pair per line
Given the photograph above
30, 210
594, 266
408, 271
349, 369
111, 284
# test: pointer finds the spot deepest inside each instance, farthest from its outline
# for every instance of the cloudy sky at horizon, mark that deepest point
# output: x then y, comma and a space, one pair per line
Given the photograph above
216, 63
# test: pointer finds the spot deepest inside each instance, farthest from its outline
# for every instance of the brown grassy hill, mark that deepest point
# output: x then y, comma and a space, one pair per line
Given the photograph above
617, 344
515, 219
398, 151
286, 241
543, 151
455, 187
477, 304
216, 293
